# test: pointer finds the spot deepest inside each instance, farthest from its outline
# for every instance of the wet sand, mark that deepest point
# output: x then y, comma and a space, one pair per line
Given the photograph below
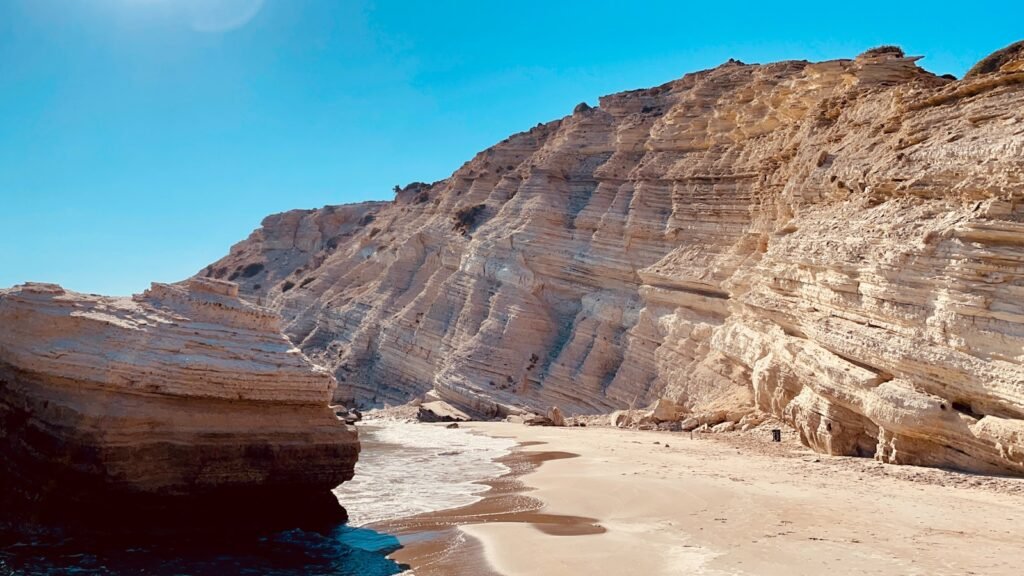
434, 544
606, 501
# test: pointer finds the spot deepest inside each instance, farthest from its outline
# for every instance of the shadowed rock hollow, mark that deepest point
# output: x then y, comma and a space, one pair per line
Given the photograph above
836, 243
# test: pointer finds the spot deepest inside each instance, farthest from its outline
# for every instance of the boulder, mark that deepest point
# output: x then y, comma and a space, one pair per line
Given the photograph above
348, 416
440, 411
688, 424
724, 427
666, 410
753, 419
538, 420
621, 418
646, 419
555, 415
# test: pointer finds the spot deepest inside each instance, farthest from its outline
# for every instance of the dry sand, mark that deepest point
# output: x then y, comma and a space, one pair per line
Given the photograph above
738, 504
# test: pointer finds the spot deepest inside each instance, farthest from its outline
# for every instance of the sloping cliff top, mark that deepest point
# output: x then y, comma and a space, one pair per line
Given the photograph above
195, 340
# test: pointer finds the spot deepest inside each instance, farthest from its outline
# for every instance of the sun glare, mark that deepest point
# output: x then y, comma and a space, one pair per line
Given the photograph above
211, 15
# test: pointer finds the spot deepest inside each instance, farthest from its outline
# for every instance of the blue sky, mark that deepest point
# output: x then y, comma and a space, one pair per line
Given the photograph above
139, 139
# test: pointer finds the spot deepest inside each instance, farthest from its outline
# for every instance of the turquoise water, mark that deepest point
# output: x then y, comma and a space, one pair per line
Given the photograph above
343, 551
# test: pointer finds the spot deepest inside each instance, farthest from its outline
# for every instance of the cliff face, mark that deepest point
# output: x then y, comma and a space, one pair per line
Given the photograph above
184, 392
837, 243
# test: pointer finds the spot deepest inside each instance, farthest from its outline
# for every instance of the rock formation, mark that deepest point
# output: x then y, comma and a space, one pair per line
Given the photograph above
182, 396
836, 243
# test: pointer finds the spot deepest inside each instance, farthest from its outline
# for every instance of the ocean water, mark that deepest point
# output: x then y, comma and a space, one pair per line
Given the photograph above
404, 469
407, 469
343, 551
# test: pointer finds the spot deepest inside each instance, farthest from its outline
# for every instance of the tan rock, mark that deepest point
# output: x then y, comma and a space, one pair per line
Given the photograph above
440, 411
724, 427
556, 417
621, 419
665, 410
179, 395
646, 419
752, 420
537, 420
689, 424
833, 243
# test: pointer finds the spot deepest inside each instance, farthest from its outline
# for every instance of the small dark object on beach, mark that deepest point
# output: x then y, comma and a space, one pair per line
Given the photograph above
453, 425
349, 415
776, 435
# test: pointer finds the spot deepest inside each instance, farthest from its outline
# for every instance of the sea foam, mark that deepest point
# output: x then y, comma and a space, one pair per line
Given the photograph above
406, 469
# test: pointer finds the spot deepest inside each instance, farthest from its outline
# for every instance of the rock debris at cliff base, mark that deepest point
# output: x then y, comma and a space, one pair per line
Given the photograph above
838, 244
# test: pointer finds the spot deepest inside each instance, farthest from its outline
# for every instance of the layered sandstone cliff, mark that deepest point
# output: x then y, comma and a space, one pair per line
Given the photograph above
183, 394
837, 243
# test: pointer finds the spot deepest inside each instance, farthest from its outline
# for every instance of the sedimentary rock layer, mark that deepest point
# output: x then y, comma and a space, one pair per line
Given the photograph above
836, 243
184, 392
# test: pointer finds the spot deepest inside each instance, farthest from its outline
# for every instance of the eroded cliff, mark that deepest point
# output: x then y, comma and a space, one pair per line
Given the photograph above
837, 243
182, 396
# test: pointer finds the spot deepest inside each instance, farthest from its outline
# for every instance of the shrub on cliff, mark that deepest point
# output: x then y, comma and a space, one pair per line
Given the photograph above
466, 218
888, 49
996, 60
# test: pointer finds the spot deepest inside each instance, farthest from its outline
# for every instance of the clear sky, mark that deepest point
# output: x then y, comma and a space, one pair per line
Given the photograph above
139, 139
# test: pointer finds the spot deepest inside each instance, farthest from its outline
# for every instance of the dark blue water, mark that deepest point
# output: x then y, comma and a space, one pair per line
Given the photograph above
342, 551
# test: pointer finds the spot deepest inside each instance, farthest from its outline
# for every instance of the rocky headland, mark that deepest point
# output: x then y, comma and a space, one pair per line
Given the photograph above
838, 244
184, 402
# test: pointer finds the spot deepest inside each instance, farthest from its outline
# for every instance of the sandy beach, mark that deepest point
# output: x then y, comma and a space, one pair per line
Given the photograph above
661, 503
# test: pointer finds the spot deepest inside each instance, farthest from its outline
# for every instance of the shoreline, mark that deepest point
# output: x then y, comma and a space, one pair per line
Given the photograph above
433, 543
661, 503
